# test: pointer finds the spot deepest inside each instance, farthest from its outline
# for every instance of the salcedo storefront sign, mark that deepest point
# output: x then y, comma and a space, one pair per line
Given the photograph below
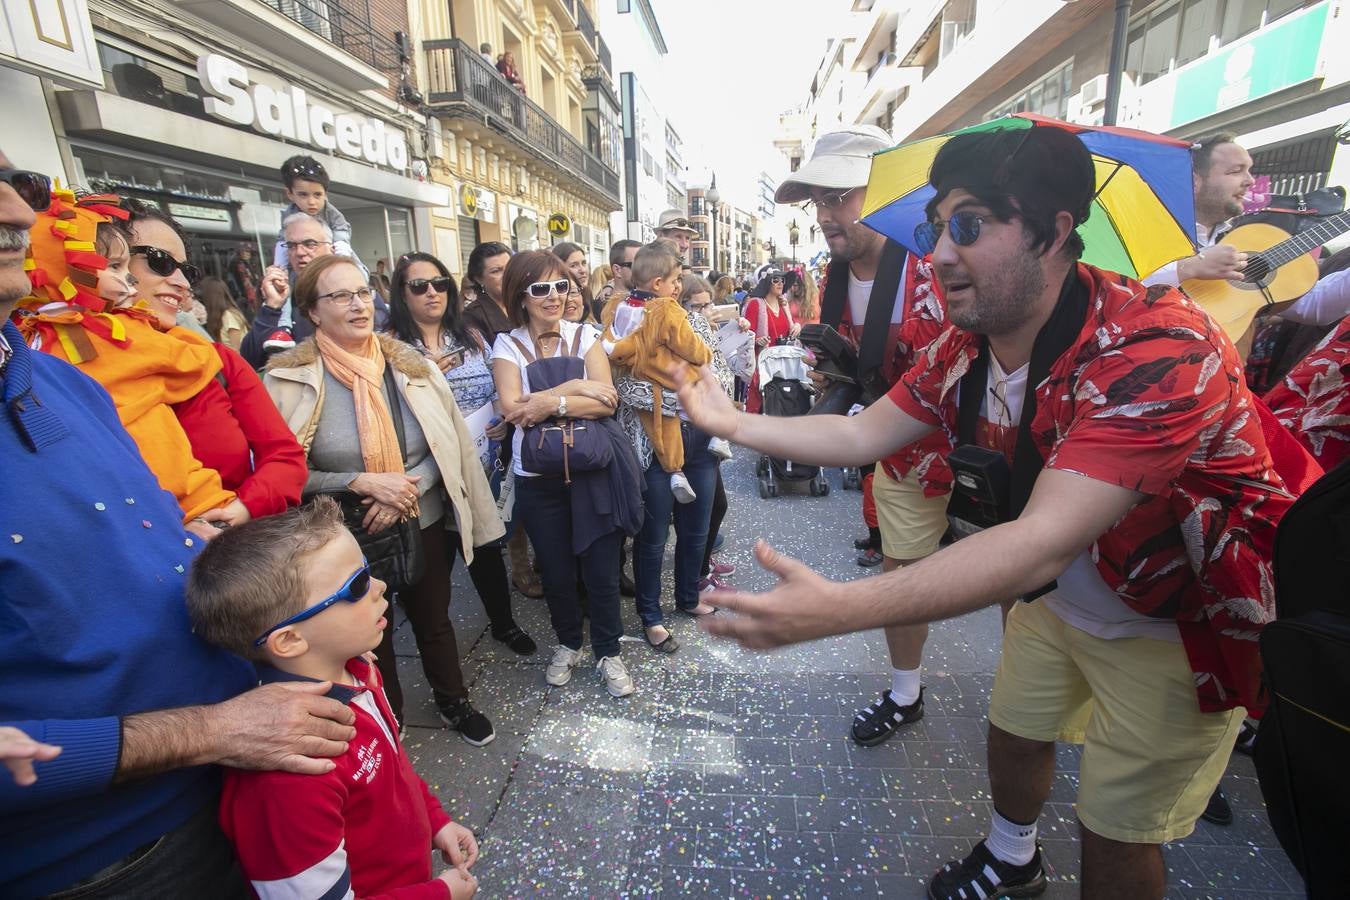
288, 112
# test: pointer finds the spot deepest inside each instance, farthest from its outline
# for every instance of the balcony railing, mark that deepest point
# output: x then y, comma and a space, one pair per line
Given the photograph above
345, 24
458, 76
606, 60
585, 24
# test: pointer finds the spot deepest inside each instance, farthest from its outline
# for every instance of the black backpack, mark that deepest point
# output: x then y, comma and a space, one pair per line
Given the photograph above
1304, 739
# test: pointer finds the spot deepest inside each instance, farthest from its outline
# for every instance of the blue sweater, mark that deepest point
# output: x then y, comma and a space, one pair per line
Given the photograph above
93, 626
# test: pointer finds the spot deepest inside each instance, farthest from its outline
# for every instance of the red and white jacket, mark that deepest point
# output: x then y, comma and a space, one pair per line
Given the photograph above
362, 830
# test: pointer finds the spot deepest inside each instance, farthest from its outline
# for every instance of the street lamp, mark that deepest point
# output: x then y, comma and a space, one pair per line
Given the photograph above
713, 197
1117, 71
793, 235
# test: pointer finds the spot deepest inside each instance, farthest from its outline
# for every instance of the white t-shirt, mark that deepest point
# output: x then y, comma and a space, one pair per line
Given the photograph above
505, 348
1081, 597
859, 292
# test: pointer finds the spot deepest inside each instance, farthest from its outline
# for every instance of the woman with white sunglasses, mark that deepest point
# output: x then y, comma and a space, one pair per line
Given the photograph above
550, 368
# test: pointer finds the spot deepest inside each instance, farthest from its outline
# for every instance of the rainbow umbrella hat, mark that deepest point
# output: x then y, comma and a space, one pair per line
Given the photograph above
1143, 216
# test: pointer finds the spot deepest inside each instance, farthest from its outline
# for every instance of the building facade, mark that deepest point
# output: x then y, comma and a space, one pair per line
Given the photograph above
199, 119
1271, 71
528, 167
653, 159
713, 249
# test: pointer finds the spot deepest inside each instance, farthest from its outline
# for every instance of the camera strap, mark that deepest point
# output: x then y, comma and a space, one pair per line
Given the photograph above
876, 324
1055, 337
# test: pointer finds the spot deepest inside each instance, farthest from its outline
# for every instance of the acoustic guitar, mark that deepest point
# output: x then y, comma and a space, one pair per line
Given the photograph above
1279, 268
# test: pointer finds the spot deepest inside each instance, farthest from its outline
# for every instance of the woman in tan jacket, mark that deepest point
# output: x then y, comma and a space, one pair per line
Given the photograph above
332, 391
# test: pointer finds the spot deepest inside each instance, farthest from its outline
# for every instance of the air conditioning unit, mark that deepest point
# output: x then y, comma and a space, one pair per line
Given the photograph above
1094, 91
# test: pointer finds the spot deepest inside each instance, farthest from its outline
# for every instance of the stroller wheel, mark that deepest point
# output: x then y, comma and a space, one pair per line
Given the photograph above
762, 467
850, 479
764, 493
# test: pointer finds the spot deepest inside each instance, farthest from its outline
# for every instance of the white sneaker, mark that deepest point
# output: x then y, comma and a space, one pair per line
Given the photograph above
720, 448
680, 487
559, 670
615, 675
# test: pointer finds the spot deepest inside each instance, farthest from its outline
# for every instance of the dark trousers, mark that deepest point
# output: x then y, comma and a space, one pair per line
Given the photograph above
193, 860
488, 573
544, 506
691, 529
427, 606
719, 512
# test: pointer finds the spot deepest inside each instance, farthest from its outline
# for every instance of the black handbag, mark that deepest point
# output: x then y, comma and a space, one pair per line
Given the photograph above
394, 554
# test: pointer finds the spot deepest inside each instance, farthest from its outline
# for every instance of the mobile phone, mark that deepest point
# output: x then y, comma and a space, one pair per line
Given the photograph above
728, 312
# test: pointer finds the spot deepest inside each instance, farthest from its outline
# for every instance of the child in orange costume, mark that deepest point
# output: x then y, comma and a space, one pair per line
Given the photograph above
648, 332
71, 314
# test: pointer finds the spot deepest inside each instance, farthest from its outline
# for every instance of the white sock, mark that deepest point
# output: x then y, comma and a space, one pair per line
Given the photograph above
1011, 842
905, 685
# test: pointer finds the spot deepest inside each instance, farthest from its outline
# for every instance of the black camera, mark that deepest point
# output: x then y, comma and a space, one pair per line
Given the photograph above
981, 487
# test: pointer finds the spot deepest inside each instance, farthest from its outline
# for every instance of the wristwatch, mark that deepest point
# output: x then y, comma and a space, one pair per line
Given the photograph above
562, 405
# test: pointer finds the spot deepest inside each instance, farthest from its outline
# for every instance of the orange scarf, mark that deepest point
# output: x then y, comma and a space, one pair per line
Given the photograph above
363, 373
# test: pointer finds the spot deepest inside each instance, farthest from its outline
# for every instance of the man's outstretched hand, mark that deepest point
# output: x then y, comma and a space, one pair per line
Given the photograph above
704, 401
802, 607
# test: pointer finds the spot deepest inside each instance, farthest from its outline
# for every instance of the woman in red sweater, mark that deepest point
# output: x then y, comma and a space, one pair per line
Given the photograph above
769, 315
232, 424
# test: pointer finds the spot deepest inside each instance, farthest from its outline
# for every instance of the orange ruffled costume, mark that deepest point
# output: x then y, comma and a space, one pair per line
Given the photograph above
143, 369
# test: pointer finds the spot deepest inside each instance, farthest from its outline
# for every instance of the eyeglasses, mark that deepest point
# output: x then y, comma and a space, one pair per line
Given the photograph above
352, 590
777, 279
420, 286
698, 307
162, 263
623, 265
35, 189
310, 245
541, 289
345, 298
829, 201
964, 227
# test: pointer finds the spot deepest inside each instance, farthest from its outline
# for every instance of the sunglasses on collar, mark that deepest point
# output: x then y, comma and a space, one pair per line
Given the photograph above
34, 188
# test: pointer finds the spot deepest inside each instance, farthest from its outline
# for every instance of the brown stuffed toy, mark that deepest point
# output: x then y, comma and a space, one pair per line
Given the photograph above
663, 338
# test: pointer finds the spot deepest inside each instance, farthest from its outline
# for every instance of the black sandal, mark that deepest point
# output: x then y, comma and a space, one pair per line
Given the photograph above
669, 645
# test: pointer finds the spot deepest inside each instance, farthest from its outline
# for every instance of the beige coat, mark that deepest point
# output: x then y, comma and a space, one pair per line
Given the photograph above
294, 379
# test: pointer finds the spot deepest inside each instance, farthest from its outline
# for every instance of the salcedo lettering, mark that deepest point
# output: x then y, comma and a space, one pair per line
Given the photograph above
289, 113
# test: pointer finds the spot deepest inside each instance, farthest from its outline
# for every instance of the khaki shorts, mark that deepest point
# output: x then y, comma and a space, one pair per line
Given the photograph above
911, 524
1151, 758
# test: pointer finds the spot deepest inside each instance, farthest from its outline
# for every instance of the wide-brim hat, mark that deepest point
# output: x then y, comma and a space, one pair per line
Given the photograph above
841, 160
675, 220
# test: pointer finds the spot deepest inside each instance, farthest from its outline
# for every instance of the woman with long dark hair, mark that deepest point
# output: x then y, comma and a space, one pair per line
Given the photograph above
424, 311
224, 322
573, 257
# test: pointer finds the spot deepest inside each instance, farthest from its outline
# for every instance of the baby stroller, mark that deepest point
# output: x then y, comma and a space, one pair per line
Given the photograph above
786, 390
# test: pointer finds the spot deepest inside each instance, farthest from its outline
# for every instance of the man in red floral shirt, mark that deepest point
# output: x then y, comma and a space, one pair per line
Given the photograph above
1155, 511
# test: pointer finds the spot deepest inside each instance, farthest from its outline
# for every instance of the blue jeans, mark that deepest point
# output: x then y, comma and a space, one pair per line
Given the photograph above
691, 528
544, 508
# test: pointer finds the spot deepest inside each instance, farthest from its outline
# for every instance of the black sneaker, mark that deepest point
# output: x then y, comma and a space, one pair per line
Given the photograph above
883, 718
1217, 811
981, 874
870, 557
472, 725
516, 639
862, 543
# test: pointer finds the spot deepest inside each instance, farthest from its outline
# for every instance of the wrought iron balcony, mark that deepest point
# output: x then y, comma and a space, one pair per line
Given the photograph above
345, 24
460, 81
606, 60
585, 24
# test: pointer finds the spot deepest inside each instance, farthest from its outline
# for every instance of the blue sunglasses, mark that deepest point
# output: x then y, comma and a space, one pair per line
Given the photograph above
964, 227
353, 590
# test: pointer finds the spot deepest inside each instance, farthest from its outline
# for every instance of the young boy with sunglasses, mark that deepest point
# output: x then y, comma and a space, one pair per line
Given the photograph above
293, 593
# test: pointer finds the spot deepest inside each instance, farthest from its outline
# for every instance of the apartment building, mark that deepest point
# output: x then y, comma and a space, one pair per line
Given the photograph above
528, 165
1272, 71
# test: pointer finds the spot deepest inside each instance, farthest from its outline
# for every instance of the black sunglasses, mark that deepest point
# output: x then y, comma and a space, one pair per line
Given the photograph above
964, 227
35, 189
162, 263
541, 289
440, 285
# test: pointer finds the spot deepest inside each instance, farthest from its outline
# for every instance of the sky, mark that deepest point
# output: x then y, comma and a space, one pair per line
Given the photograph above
742, 62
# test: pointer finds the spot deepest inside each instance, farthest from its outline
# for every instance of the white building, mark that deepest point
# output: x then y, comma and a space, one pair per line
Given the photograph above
650, 147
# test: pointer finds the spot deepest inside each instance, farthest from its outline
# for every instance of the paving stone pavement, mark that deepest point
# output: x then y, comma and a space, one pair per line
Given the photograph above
730, 774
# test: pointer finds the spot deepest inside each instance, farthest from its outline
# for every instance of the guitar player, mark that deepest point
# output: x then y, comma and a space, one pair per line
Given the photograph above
1221, 172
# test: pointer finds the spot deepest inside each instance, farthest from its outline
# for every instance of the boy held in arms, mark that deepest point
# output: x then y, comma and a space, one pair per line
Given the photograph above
648, 332
293, 593
306, 183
